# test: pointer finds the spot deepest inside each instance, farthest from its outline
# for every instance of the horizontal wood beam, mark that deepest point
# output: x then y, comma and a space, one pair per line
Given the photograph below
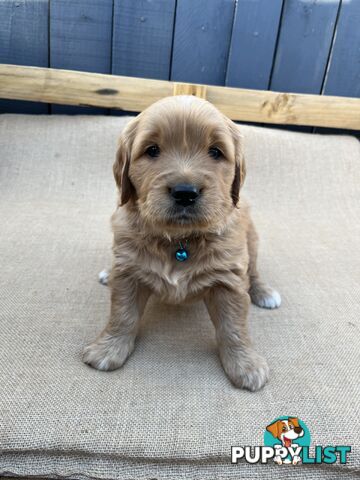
134, 94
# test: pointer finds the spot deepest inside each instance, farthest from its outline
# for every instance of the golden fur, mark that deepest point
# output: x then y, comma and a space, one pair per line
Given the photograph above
220, 235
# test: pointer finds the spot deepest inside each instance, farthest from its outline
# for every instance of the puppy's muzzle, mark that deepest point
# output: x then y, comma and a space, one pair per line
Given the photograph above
185, 194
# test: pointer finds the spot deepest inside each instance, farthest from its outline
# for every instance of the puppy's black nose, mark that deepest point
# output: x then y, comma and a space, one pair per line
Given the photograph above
185, 194
298, 430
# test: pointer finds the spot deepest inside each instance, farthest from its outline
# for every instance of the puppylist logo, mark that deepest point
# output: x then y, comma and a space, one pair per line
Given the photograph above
287, 442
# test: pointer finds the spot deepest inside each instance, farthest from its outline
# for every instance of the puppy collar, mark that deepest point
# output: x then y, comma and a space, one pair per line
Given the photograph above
182, 253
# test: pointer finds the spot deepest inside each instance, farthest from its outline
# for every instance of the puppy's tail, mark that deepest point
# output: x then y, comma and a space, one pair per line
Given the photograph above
104, 277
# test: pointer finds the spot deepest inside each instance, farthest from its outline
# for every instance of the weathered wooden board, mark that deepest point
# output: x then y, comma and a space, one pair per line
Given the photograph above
343, 76
189, 40
142, 38
253, 43
305, 39
135, 94
24, 41
80, 39
202, 40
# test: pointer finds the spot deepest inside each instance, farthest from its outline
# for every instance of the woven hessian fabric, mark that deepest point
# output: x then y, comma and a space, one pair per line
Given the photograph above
170, 412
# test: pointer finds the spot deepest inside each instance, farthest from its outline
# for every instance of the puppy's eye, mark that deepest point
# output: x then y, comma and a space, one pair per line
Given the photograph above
215, 153
284, 429
153, 151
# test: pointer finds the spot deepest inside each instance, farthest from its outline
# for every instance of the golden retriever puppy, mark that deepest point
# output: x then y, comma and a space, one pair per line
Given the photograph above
182, 232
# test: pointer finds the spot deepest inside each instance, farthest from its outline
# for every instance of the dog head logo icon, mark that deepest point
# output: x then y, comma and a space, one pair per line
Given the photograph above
288, 432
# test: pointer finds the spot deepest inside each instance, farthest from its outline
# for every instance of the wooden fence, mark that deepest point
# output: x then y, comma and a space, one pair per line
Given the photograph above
301, 46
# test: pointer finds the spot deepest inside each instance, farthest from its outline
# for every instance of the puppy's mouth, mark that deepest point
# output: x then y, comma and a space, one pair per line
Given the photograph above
287, 442
183, 215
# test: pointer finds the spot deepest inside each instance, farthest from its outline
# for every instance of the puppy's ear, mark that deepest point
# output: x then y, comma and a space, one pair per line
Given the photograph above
122, 165
121, 174
294, 421
273, 428
240, 167
235, 187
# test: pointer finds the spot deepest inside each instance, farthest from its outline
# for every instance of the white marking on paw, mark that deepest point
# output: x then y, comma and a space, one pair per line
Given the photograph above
104, 277
103, 364
273, 300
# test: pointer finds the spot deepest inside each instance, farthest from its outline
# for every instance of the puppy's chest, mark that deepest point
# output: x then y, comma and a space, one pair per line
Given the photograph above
171, 280
174, 281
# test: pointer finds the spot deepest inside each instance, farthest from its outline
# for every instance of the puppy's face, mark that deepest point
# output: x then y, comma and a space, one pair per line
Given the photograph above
180, 164
286, 430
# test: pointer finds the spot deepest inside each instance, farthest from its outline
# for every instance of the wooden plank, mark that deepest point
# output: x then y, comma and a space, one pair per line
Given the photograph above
189, 89
304, 44
253, 43
67, 87
142, 38
285, 108
80, 39
202, 41
135, 94
24, 41
343, 76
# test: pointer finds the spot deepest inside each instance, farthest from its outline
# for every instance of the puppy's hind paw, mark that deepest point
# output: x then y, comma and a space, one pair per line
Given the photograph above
272, 300
264, 296
104, 277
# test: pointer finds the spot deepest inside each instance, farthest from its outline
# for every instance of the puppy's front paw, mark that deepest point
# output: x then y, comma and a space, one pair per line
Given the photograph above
246, 369
108, 352
264, 296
